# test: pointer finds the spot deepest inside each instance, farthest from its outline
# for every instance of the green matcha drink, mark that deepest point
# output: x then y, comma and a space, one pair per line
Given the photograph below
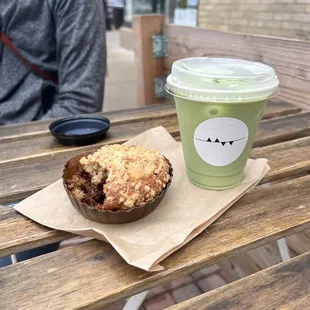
219, 103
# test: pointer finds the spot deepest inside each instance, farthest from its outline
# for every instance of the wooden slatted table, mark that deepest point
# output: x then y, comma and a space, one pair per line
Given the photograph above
91, 275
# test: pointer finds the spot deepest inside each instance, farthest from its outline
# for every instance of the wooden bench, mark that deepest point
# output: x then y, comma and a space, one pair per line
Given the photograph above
284, 286
289, 57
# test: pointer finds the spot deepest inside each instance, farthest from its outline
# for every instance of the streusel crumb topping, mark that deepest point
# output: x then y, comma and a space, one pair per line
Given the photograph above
130, 175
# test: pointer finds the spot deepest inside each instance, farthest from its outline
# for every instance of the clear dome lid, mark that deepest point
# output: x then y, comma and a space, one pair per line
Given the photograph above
221, 80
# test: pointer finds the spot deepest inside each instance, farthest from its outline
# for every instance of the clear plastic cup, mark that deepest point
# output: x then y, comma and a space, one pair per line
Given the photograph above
219, 103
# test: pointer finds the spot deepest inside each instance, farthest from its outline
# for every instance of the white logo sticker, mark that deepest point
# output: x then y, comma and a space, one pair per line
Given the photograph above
220, 141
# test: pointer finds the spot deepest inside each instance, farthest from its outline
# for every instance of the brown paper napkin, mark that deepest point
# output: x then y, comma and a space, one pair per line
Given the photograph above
185, 211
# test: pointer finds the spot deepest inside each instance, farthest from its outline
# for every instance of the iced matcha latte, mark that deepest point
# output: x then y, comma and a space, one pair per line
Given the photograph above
219, 103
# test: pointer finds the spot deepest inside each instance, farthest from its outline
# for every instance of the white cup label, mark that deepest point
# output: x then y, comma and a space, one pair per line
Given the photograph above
220, 141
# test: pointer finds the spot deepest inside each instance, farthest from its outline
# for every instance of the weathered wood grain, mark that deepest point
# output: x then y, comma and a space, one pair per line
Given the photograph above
295, 97
284, 286
277, 107
34, 144
283, 129
274, 108
19, 233
121, 117
290, 58
61, 280
287, 159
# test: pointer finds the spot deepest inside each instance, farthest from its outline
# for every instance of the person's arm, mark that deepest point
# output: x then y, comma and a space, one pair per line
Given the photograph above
81, 55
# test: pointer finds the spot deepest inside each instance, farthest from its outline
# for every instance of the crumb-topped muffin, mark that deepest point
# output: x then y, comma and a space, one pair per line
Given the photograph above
120, 177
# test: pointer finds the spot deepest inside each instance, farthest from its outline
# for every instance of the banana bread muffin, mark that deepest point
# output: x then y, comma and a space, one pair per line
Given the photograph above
118, 177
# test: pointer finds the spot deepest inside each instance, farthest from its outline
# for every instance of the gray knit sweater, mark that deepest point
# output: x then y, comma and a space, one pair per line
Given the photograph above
65, 36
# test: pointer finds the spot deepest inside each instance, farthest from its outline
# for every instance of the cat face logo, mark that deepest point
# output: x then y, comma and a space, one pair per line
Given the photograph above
220, 141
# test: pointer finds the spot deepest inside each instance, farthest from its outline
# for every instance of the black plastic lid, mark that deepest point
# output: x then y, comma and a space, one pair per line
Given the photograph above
80, 130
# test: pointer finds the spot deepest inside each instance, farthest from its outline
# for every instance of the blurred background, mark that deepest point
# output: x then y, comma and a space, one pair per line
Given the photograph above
281, 18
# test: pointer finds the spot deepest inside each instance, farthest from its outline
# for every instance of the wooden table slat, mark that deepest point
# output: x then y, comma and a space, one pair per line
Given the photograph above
117, 117
286, 159
283, 128
44, 169
284, 286
34, 146
19, 233
42, 143
92, 274
275, 108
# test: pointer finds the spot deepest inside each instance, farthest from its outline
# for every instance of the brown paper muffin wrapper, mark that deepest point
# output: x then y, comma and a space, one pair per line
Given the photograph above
107, 216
